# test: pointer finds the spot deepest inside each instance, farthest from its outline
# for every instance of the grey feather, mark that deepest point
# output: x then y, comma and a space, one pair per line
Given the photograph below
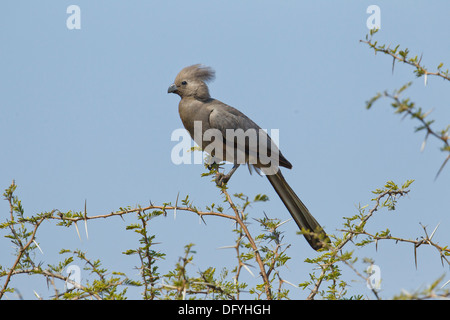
197, 106
299, 212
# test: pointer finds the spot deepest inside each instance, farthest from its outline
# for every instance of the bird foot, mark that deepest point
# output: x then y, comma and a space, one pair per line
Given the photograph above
222, 179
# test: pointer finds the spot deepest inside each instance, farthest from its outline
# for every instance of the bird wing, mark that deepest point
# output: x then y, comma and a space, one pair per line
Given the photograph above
246, 137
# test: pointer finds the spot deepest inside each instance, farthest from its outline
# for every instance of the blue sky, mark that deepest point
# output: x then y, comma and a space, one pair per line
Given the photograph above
85, 114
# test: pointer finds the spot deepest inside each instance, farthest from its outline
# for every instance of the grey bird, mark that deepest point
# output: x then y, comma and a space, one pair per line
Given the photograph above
197, 106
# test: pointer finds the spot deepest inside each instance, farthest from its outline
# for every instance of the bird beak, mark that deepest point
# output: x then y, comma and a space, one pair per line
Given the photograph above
172, 89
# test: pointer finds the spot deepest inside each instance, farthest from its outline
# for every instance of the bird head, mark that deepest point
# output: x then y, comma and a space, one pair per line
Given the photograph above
191, 82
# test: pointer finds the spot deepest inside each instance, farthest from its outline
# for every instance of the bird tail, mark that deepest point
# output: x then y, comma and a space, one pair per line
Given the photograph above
315, 235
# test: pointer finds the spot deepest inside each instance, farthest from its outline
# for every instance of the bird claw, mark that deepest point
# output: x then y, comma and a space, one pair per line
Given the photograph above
222, 179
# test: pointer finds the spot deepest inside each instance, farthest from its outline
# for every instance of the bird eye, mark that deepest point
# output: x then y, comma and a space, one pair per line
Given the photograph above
184, 83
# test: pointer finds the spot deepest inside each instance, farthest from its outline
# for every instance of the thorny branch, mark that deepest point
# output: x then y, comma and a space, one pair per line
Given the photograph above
73, 217
405, 105
401, 56
258, 259
427, 240
334, 250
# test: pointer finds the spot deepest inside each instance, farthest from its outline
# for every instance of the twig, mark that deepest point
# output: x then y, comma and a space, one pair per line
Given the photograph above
22, 251
401, 57
348, 237
258, 259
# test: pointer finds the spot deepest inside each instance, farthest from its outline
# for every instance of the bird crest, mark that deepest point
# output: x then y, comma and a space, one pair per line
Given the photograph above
196, 72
